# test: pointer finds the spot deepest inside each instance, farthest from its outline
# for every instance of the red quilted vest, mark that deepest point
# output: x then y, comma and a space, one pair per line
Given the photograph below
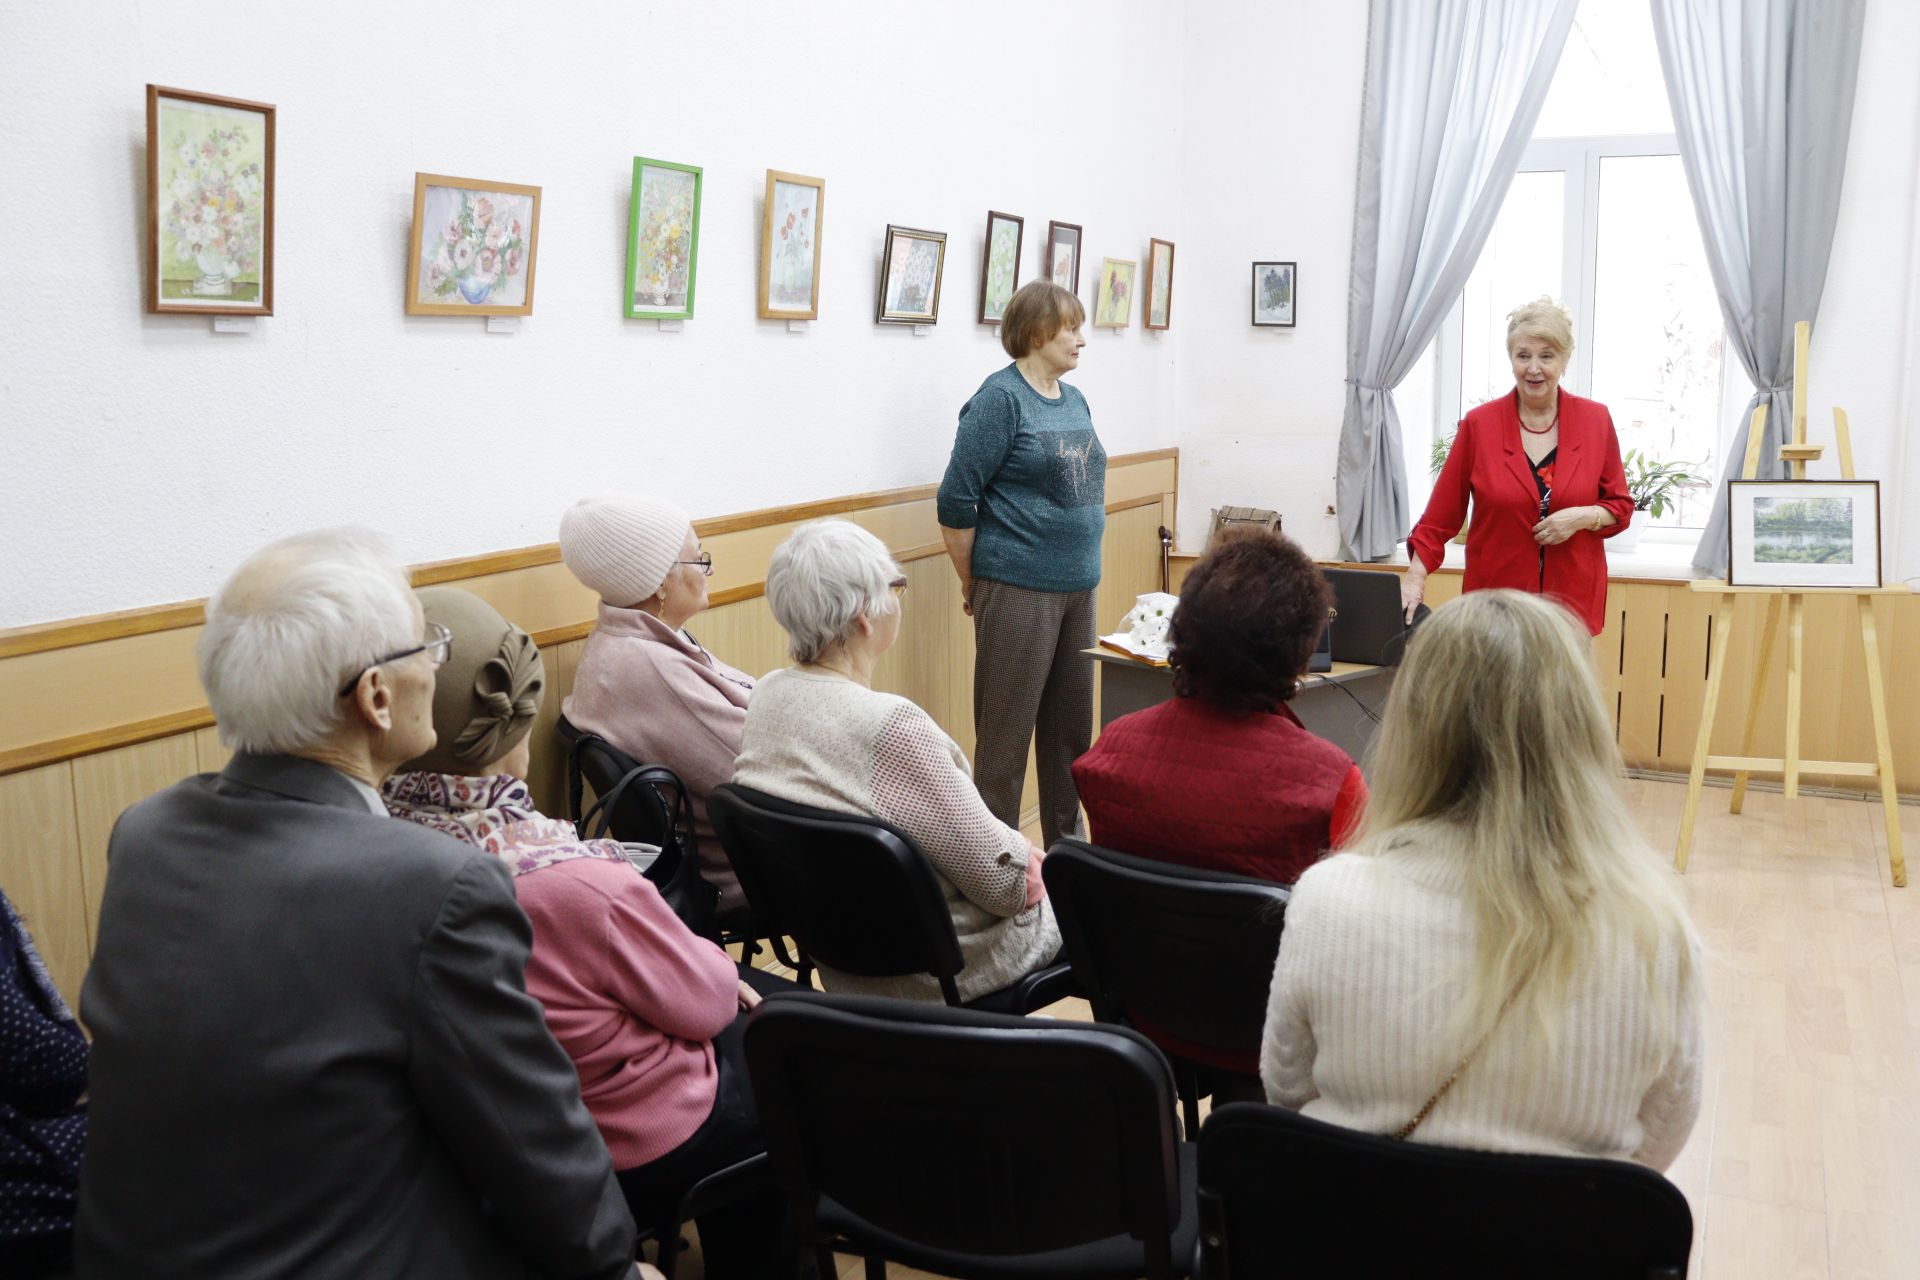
1185, 782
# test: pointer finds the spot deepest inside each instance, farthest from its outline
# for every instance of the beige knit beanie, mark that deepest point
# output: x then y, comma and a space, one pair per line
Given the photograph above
622, 547
487, 693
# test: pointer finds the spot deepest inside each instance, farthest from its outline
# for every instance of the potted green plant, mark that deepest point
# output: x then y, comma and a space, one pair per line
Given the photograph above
1652, 484
1437, 459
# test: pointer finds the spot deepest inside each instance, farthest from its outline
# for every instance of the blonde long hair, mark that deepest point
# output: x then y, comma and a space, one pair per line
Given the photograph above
1496, 750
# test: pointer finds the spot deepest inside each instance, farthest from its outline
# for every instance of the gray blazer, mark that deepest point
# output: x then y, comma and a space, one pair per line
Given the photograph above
314, 1053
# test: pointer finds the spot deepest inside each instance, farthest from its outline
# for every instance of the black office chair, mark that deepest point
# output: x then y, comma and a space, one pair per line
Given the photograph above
1187, 951
972, 1144
719, 1188
643, 804
1282, 1194
856, 894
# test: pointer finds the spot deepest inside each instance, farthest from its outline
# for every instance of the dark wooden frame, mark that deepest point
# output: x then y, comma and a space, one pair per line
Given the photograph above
1146, 318
880, 314
1879, 531
1253, 296
265, 306
1079, 250
986, 257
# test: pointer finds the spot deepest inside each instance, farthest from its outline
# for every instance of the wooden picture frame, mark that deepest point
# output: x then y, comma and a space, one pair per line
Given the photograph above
474, 247
1158, 311
1067, 237
1274, 310
1000, 264
790, 252
912, 263
210, 204
663, 240
1113, 293
1803, 533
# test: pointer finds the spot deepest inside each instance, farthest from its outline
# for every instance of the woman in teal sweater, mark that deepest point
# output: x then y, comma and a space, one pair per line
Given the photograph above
1022, 509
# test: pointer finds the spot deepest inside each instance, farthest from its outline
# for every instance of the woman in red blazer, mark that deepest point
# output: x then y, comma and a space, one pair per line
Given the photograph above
1543, 470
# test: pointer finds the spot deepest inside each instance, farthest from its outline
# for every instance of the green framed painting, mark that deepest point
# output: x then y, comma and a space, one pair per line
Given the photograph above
663, 240
209, 204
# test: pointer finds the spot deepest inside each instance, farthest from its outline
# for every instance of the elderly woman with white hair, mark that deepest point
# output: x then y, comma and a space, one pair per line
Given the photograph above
819, 734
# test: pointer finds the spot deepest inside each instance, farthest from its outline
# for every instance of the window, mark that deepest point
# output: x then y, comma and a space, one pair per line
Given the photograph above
1599, 217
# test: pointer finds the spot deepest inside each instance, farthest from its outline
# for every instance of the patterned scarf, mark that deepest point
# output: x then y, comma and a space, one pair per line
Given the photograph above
494, 813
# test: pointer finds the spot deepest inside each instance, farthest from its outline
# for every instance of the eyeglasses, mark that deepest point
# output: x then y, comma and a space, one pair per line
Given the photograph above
438, 648
898, 586
705, 562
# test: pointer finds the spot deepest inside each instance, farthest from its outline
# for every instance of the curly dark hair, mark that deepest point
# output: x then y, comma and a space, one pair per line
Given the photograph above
1251, 610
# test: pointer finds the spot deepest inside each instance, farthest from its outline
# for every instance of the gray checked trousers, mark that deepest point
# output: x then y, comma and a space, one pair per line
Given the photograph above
1032, 684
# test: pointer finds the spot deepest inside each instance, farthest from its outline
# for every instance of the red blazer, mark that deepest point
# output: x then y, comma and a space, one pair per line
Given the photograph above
1488, 464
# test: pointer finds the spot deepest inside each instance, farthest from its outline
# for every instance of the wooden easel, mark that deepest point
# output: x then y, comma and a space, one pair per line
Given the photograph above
1798, 453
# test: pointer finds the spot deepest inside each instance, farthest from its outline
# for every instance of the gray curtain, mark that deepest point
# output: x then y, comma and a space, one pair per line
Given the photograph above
1762, 94
1452, 91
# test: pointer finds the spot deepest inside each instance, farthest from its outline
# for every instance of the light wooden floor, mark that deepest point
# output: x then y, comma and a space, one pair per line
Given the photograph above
1805, 1164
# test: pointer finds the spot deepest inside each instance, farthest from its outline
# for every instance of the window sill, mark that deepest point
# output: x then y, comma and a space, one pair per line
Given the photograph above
1656, 561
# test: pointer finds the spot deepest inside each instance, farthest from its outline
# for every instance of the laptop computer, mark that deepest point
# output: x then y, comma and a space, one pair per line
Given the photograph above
1368, 625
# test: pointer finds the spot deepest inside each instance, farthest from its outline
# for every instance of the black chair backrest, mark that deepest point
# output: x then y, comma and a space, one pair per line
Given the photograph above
856, 893
1188, 950
958, 1132
1283, 1194
642, 804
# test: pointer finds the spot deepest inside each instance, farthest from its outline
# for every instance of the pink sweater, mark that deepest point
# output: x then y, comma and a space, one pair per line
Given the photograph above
633, 997
662, 699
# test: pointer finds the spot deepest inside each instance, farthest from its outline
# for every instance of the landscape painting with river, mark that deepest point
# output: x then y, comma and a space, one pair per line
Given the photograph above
1803, 530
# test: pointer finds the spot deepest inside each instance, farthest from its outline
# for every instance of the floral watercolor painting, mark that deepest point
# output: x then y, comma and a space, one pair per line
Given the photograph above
1113, 297
794, 218
663, 243
1063, 255
1001, 274
211, 168
1160, 285
477, 248
910, 276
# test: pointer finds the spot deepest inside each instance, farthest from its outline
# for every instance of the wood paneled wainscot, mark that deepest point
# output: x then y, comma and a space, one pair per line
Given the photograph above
102, 712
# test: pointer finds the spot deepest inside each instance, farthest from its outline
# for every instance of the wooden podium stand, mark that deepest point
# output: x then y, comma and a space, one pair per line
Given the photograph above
1790, 765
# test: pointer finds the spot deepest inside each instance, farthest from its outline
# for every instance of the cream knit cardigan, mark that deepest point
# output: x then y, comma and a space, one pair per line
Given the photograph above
820, 740
1372, 958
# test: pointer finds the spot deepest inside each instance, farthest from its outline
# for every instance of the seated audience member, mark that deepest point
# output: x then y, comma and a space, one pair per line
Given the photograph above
818, 734
43, 1124
651, 1014
1499, 961
314, 1052
644, 684
1222, 775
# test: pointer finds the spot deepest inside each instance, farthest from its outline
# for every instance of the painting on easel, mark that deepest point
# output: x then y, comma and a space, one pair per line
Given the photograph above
1803, 533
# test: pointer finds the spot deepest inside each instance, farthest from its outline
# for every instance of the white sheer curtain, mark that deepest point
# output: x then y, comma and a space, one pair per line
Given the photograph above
1452, 90
1762, 94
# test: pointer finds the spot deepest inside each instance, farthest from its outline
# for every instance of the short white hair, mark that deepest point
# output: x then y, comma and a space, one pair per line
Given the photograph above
294, 622
827, 574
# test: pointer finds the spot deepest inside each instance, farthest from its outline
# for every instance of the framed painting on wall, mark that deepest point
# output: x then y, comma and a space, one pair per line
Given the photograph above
474, 247
1113, 295
209, 204
910, 271
1000, 265
1063, 255
1159, 285
1273, 284
1803, 533
663, 240
790, 246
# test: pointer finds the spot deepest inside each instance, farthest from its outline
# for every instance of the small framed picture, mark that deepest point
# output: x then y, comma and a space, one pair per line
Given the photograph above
1160, 285
1273, 284
1063, 255
796, 206
473, 247
910, 271
1000, 265
1803, 533
663, 240
1113, 295
209, 204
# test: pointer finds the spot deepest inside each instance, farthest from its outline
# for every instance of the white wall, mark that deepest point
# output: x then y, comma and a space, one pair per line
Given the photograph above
1273, 135
1272, 118
144, 454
